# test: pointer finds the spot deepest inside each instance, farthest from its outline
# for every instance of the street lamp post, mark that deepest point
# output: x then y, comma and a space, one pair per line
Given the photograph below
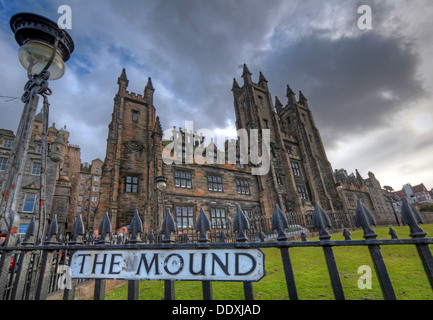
44, 48
161, 185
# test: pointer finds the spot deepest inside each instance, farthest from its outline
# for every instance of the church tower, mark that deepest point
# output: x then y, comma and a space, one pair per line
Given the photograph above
130, 164
300, 172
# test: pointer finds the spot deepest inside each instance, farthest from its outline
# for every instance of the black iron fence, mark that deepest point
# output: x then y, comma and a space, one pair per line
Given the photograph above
30, 270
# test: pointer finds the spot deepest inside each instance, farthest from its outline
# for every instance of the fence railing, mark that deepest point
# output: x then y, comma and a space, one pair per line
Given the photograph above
31, 271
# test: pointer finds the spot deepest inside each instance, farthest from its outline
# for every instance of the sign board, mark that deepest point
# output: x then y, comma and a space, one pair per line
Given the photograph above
199, 264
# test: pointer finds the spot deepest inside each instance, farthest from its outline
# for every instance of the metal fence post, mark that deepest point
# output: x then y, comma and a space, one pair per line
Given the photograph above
410, 216
240, 224
363, 219
47, 258
279, 223
321, 221
105, 237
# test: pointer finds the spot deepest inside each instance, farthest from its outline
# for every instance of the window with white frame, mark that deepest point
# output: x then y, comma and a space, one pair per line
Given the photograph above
182, 179
3, 164
214, 183
218, 218
36, 168
184, 217
7, 143
29, 202
242, 186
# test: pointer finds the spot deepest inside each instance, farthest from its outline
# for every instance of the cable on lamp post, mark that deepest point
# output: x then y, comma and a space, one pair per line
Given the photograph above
44, 48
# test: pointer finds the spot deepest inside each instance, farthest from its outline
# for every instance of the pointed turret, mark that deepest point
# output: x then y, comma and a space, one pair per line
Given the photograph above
235, 85
122, 81
149, 90
302, 99
290, 96
246, 74
278, 105
262, 81
158, 127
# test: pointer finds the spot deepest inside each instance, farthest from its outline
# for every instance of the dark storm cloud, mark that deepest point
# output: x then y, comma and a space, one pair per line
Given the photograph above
353, 84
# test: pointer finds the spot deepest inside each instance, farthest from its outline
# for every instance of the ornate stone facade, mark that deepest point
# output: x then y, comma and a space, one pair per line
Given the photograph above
299, 174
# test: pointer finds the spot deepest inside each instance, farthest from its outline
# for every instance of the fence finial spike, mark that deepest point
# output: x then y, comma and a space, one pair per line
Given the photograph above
151, 237
240, 224
203, 226
77, 230
365, 219
410, 216
279, 223
392, 233
346, 234
52, 231
168, 226
105, 230
321, 222
136, 228
30, 232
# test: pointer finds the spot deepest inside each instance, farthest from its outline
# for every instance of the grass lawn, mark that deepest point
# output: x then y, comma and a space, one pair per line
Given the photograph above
311, 275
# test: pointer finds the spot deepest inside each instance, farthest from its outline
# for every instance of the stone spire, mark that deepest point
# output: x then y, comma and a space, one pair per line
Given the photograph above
262, 81
302, 99
290, 96
149, 90
235, 85
246, 74
278, 105
122, 81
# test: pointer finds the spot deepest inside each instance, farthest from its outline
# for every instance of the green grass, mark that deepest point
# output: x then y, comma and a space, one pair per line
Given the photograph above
311, 275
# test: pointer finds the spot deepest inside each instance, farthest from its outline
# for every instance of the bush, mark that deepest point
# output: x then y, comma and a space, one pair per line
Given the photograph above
427, 207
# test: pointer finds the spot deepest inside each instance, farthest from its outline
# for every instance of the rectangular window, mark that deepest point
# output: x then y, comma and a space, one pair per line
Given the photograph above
296, 168
218, 218
302, 193
80, 198
36, 169
3, 164
239, 165
95, 178
29, 202
214, 183
182, 179
79, 208
279, 178
242, 186
83, 177
81, 187
94, 199
39, 148
95, 188
7, 143
131, 184
184, 217
135, 115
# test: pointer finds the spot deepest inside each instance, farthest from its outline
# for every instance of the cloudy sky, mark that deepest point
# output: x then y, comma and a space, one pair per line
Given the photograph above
370, 90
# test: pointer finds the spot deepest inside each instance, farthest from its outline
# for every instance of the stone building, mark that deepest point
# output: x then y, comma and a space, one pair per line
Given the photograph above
299, 172
28, 196
353, 187
64, 179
